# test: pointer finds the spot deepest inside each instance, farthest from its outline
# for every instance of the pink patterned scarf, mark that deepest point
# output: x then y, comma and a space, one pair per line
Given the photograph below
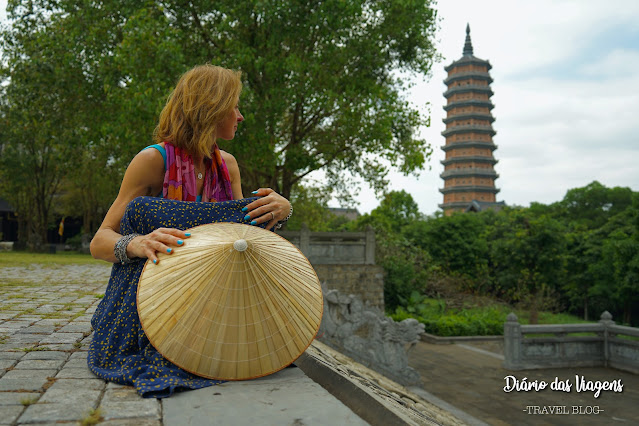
179, 178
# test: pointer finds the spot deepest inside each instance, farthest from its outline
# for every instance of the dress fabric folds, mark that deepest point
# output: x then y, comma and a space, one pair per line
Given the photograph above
120, 351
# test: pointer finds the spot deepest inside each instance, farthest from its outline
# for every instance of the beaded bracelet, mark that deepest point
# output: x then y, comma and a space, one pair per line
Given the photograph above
120, 248
282, 222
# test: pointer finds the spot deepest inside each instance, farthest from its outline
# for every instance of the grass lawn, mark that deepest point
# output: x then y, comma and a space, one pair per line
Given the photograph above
19, 258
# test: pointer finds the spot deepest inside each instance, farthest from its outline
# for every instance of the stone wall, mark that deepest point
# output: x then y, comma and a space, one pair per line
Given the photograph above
344, 261
365, 281
331, 248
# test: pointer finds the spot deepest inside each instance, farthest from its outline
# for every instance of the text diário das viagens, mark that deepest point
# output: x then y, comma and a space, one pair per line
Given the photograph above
580, 385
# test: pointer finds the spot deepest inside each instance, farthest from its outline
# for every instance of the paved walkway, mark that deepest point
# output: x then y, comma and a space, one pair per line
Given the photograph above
45, 314
471, 378
45, 331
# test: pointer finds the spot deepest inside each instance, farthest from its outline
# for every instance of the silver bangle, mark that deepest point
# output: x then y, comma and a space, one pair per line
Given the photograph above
120, 248
282, 222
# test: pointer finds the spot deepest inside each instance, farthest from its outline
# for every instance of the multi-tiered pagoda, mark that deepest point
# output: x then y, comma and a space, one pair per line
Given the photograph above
469, 174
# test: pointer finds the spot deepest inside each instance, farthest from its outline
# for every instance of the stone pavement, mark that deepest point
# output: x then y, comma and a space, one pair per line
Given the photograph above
471, 377
45, 331
45, 313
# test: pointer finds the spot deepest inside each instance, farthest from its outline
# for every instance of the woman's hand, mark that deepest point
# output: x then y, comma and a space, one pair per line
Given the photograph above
161, 240
271, 207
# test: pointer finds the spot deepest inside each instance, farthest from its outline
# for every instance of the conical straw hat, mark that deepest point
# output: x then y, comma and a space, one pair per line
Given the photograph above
235, 302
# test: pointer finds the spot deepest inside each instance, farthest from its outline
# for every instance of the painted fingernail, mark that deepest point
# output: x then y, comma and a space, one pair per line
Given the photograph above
188, 234
155, 261
254, 192
247, 217
244, 209
180, 242
254, 222
169, 250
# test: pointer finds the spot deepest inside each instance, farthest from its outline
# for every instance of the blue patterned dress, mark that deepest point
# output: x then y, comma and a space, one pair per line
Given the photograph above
120, 351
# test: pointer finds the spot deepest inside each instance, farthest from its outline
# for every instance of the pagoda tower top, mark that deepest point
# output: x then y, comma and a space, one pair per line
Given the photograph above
468, 57
468, 46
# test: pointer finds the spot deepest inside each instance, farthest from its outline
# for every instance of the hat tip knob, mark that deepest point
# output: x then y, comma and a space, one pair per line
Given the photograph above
240, 245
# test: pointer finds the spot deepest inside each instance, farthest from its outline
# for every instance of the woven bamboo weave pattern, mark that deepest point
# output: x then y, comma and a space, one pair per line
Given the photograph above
228, 312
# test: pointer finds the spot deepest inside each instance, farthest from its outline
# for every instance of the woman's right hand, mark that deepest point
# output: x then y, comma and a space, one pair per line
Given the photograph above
161, 240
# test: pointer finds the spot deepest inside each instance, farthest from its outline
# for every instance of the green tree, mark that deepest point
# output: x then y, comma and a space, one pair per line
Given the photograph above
456, 243
323, 90
615, 271
324, 81
44, 118
583, 250
594, 204
311, 208
528, 258
406, 265
397, 210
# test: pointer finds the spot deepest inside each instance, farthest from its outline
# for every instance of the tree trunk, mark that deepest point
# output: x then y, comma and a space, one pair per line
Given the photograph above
534, 308
586, 309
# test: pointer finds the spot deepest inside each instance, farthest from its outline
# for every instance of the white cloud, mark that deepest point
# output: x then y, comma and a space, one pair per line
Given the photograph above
566, 85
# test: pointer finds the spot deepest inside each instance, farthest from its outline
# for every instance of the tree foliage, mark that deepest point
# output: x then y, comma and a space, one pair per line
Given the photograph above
322, 85
42, 138
579, 255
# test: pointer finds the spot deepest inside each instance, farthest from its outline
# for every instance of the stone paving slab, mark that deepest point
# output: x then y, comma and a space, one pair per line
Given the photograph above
71, 396
39, 364
25, 374
76, 363
11, 355
22, 384
81, 384
68, 347
79, 355
132, 422
57, 322
124, 402
18, 398
9, 414
25, 339
56, 412
7, 363
57, 338
38, 329
30, 317
49, 355
84, 318
75, 373
15, 324
76, 327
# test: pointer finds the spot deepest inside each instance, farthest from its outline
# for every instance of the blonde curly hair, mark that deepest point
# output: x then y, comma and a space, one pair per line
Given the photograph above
202, 97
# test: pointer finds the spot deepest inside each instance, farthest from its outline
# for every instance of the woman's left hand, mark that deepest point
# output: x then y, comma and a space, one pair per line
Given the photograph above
271, 207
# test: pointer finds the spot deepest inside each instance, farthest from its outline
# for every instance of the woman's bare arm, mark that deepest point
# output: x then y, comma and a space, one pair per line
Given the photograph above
144, 176
234, 172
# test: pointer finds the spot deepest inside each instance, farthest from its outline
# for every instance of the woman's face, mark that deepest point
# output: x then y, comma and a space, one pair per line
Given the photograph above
227, 128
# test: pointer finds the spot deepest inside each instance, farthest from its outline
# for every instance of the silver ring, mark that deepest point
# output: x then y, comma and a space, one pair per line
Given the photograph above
272, 216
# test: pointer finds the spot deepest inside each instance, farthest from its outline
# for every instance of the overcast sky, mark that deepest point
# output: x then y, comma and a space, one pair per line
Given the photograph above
566, 84
566, 96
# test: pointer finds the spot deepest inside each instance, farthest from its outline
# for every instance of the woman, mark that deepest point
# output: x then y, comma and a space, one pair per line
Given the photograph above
203, 107
184, 165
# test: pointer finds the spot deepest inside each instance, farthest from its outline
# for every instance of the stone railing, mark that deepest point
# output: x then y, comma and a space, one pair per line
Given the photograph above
571, 345
334, 248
